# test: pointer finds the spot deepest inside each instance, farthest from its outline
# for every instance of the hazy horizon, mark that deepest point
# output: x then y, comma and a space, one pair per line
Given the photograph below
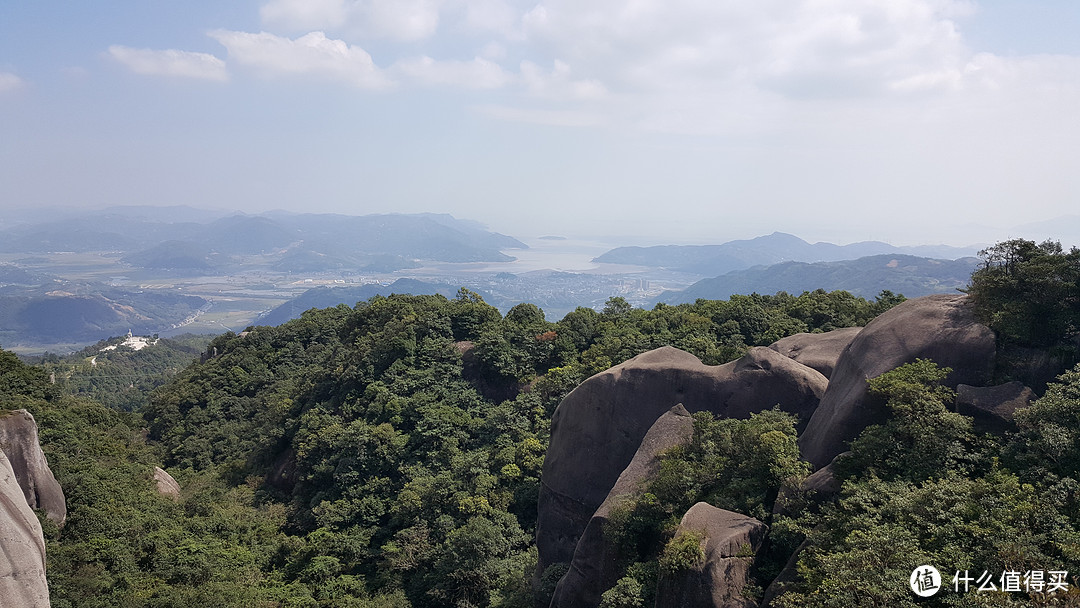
910, 121
1065, 229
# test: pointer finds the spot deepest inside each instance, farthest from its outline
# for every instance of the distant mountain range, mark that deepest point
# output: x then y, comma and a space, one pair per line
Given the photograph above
712, 260
909, 275
295, 240
130, 264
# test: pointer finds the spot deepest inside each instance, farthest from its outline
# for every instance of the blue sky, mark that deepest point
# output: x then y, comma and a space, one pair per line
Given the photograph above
685, 120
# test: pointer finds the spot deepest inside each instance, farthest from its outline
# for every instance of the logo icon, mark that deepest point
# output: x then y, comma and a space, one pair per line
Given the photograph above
925, 581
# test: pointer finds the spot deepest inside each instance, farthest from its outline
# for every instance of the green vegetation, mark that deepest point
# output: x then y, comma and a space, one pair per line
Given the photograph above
1029, 294
123, 377
738, 465
125, 545
389, 455
921, 489
922, 437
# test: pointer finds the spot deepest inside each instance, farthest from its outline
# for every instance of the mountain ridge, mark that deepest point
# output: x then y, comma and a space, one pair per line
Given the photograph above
712, 260
912, 276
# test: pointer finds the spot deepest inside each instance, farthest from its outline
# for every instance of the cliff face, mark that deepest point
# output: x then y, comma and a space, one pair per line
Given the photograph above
599, 426
940, 328
22, 547
19, 442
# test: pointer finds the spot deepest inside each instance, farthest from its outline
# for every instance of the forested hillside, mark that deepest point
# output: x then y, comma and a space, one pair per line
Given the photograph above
115, 374
389, 454
389, 451
406, 435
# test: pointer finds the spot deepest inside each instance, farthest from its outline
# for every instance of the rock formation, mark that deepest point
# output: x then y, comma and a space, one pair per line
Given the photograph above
941, 328
19, 441
992, 407
22, 546
593, 568
731, 540
598, 427
817, 351
166, 485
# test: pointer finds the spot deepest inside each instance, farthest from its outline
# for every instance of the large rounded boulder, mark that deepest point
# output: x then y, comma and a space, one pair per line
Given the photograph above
22, 547
19, 441
729, 541
940, 327
598, 427
817, 351
992, 408
594, 568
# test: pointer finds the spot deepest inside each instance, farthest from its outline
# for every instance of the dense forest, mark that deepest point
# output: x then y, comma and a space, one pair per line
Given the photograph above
389, 454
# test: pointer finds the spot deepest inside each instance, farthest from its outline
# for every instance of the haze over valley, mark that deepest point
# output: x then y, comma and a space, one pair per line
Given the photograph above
71, 281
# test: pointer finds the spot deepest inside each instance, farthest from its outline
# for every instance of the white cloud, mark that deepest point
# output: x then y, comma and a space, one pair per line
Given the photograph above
406, 20
305, 14
493, 15
557, 118
476, 74
311, 54
10, 82
493, 51
170, 62
808, 49
557, 84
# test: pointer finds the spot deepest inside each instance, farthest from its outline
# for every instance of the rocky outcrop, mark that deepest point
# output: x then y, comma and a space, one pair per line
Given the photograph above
822, 482
166, 485
941, 328
992, 407
730, 541
818, 487
19, 441
598, 427
817, 351
593, 569
22, 547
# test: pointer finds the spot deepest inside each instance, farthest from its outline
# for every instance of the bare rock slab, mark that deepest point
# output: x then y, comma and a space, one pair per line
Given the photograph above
730, 541
593, 568
993, 407
19, 441
817, 351
166, 485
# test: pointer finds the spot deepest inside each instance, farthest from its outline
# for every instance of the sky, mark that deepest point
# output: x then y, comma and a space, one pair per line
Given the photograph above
910, 121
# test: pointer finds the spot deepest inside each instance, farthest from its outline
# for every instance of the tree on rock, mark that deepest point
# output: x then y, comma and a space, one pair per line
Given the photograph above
1029, 294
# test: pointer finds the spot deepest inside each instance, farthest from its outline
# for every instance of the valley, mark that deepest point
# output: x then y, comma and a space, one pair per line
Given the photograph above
68, 283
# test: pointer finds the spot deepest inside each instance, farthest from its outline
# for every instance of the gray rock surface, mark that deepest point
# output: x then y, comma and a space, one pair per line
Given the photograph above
731, 540
593, 567
19, 441
941, 328
820, 486
22, 547
992, 407
817, 351
166, 485
598, 427
823, 481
